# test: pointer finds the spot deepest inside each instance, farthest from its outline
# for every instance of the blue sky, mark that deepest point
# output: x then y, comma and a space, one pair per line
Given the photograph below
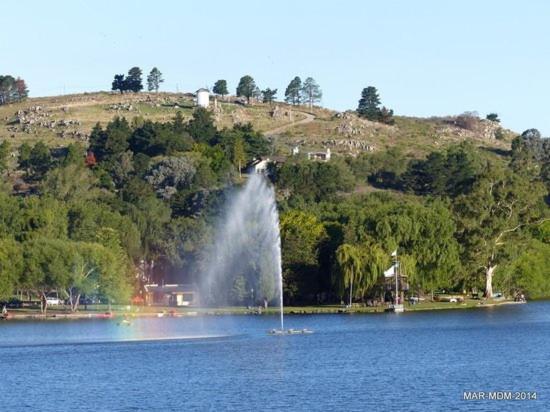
425, 57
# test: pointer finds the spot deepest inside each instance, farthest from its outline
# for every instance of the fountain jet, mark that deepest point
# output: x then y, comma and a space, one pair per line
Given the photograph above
244, 262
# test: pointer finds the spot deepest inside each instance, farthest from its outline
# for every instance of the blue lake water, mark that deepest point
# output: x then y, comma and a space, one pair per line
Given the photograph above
411, 361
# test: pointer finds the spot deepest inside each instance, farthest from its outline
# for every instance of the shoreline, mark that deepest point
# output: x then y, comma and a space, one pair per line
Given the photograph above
161, 312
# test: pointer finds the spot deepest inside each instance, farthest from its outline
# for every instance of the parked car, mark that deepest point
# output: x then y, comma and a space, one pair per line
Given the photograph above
89, 300
54, 301
13, 303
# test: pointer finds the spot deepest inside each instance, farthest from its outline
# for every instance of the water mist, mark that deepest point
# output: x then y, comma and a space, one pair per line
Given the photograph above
243, 263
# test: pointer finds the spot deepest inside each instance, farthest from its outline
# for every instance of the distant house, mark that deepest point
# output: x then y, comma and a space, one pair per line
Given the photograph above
171, 295
203, 98
322, 156
261, 164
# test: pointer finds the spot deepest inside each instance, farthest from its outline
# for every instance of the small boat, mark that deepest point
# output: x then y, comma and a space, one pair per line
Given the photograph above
124, 322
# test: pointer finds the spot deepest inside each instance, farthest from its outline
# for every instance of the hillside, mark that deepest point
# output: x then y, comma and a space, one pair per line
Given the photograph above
61, 120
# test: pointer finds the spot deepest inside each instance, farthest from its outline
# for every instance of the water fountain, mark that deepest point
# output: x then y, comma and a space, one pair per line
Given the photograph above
246, 253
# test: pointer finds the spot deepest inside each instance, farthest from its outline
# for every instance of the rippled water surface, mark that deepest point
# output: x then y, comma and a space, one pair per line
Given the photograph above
412, 361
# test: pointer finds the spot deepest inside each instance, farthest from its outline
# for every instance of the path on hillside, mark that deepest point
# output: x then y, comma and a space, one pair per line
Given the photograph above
278, 130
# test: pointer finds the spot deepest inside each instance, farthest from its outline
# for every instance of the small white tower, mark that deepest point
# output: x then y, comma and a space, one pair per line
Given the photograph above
203, 98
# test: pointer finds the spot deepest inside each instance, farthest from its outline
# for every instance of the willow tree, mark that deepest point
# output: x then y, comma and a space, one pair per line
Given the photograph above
424, 236
11, 266
350, 262
374, 260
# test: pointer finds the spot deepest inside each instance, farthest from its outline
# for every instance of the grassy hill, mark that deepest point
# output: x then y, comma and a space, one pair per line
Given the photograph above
60, 120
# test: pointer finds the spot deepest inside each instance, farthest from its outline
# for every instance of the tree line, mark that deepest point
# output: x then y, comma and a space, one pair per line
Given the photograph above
461, 219
83, 221
144, 192
133, 81
297, 92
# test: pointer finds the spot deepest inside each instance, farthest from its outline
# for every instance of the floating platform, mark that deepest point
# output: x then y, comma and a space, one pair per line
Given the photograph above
304, 331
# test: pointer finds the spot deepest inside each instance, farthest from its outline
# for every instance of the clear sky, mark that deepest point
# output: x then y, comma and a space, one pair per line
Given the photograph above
425, 57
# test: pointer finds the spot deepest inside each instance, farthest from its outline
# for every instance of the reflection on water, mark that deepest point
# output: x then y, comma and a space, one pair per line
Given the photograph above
413, 361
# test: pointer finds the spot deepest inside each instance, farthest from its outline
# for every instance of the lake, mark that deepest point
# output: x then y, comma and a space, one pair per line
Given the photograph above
411, 361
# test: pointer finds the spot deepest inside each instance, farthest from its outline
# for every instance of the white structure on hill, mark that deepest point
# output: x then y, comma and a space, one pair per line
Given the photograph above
203, 98
323, 156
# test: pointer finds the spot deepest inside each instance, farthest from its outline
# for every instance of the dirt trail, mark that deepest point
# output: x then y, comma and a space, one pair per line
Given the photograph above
278, 130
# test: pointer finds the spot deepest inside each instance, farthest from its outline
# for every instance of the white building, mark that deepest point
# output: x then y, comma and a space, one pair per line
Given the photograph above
323, 156
203, 98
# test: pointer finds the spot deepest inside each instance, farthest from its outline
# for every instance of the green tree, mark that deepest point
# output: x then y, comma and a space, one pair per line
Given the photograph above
269, 95
311, 92
369, 104
119, 83
293, 92
40, 160
24, 156
75, 155
220, 87
48, 265
117, 134
201, 127
246, 87
374, 261
133, 80
154, 79
239, 155
448, 173
301, 236
527, 272
70, 182
94, 267
43, 217
349, 259
499, 206
11, 266
4, 153
114, 278
493, 117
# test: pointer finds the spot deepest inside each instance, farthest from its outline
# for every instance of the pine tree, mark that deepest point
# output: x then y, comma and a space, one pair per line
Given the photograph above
369, 104
269, 95
133, 80
293, 91
220, 87
154, 80
246, 87
311, 92
119, 83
